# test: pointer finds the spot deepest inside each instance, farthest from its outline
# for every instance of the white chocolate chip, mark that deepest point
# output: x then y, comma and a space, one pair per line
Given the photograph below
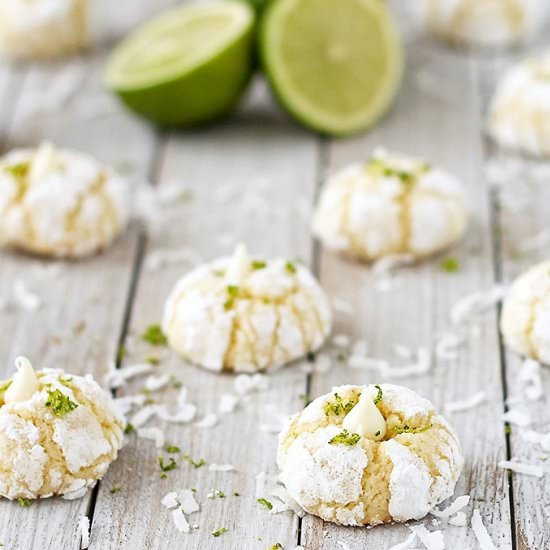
365, 419
24, 384
44, 163
239, 267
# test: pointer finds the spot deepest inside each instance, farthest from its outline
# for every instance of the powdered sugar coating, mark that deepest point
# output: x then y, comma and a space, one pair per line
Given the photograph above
519, 116
73, 208
485, 23
42, 454
402, 477
37, 29
525, 320
276, 314
391, 205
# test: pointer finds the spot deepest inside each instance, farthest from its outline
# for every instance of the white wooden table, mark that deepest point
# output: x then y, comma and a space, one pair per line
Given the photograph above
254, 178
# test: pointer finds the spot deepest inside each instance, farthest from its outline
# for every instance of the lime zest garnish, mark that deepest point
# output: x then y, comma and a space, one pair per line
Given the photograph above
345, 438
265, 503
59, 403
154, 336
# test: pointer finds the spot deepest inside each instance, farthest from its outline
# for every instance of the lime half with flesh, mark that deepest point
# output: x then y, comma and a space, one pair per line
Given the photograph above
335, 65
186, 66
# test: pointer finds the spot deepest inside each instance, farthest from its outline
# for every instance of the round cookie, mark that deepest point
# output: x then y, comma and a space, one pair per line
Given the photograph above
525, 319
390, 205
246, 314
519, 115
39, 29
58, 433
60, 203
365, 455
484, 23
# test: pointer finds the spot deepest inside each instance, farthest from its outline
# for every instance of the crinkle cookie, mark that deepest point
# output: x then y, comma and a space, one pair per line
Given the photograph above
58, 433
364, 455
245, 314
525, 320
60, 203
390, 205
484, 23
519, 116
39, 29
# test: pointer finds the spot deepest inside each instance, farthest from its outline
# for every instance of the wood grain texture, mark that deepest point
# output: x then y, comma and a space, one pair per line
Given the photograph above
78, 325
522, 213
436, 117
253, 179
249, 182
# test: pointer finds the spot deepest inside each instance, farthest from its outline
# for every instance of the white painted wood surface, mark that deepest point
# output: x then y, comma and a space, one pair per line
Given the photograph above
253, 178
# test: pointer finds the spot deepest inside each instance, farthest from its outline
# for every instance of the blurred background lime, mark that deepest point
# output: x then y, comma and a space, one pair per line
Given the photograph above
188, 65
335, 66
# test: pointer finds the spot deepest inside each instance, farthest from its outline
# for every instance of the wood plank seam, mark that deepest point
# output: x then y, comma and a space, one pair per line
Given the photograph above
153, 176
497, 261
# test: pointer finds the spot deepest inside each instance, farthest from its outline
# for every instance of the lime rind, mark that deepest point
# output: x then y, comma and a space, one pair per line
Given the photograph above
124, 72
188, 66
304, 108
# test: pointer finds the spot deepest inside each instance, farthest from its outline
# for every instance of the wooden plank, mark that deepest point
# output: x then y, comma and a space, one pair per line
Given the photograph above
250, 182
79, 323
437, 118
522, 210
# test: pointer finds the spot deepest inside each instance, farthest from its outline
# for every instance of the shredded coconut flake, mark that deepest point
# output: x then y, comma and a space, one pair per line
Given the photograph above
166, 257
388, 264
116, 378
542, 439
187, 502
472, 306
208, 421
245, 383
143, 416
155, 383
127, 402
170, 500
520, 468
459, 520
222, 468
25, 298
341, 340
448, 344
422, 366
228, 403
402, 351
75, 495
466, 404
406, 544
457, 505
481, 533
431, 540
154, 434
84, 529
183, 415
180, 521
517, 418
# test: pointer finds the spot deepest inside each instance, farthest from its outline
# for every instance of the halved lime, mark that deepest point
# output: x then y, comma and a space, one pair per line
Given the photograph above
186, 66
334, 64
